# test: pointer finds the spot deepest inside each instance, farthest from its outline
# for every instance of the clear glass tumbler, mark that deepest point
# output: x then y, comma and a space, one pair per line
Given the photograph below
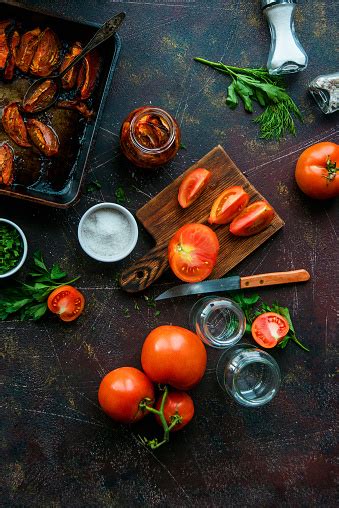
218, 321
249, 375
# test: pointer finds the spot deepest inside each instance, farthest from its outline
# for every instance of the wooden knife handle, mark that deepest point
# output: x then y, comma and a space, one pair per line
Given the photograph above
146, 270
270, 279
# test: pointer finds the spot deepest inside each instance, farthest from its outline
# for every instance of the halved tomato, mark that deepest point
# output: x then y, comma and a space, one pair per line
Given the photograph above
253, 219
269, 329
192, 252
192, 186
67, 302
228, 205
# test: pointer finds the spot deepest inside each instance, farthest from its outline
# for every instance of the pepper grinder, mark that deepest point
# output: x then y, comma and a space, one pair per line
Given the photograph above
286, 52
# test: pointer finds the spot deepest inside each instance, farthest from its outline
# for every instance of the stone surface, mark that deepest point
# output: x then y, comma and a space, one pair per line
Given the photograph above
57, 447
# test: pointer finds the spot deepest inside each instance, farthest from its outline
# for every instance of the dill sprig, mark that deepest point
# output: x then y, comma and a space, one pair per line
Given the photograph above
258, 85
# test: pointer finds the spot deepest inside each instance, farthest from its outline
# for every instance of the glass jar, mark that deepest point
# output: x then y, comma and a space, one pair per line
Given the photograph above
218, 321
249, 375
150, 137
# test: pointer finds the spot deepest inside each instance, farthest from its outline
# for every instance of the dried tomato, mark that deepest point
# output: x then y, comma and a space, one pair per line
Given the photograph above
6, 164
44, 137
47, 53
26, 50
41, 96
69, 79
4, 49
14, 124
10, 66
78, 106
88, 74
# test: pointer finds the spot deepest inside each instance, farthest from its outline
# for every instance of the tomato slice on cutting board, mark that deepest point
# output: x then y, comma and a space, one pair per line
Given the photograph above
228, 205
269, 329
67, 302
253, 219
192, 186
192, 252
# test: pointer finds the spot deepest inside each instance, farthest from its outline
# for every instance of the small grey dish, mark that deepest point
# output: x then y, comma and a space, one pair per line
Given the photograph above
24, 249
94, 229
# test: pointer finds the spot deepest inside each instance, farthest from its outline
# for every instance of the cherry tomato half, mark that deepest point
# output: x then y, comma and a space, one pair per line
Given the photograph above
253, 219
192, 186
67, 302
122, 390
192, 252
317, 171
175, 356
269, 329
228, 205
176, 403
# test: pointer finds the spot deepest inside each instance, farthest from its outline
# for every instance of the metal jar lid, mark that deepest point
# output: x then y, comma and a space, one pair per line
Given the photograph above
269, 3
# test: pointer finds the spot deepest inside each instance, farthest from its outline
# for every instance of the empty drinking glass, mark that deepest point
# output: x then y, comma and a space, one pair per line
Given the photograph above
249, 375
218, 321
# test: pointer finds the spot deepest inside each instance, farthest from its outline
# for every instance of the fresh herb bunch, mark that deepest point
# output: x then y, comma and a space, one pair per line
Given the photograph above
269, 91
29, 300
253, 307
10, 247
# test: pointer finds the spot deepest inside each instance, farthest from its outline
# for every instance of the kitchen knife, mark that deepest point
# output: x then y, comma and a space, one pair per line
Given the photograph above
236, 282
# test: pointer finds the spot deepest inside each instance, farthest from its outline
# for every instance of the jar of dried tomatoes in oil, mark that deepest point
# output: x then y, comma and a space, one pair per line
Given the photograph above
149, 137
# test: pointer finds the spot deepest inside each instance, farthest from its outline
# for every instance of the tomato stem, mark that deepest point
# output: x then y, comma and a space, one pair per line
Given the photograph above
331, 169
154, 443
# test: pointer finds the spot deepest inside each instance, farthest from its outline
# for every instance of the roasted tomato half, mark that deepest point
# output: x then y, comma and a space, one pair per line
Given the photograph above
122, 390
44, 137
317, 171
41, 96
192, 252
177, 405
6, 164
67, 302
4, 48
88, 74
228, 205
79, 106
69, 79
47, 53
269, 329
14, 125
10, 66
26, 49
253, 219
192, 186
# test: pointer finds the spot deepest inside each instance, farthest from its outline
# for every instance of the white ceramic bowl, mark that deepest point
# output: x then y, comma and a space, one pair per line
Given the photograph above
127, 250
24, 249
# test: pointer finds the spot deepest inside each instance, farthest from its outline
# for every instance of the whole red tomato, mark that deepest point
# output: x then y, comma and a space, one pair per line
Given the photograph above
122, 390
176, 403
175, 356
317, 169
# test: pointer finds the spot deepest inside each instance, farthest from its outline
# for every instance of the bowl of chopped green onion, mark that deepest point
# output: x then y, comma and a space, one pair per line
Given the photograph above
13, 248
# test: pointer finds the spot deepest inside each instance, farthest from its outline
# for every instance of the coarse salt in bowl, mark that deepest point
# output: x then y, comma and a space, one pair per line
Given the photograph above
107, 232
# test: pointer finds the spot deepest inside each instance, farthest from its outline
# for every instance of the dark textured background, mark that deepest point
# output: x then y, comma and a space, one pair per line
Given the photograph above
57, 447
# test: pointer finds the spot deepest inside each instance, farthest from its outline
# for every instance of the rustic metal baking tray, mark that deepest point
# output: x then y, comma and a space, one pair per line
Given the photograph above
56, 181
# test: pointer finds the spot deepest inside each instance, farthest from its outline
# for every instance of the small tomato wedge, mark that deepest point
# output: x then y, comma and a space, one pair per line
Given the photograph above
192, 186
178, 405
253, 219
269, 329
228, 205
192, 252
67, 302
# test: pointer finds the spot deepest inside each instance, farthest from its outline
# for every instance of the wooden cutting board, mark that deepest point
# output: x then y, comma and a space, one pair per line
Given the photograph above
162, 216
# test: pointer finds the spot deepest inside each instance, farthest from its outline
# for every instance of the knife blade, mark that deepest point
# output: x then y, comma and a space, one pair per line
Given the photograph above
235, 282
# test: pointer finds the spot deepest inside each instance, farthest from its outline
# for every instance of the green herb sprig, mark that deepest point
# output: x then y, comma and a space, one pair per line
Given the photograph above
10, 247
28, 299
269, 91
253, 306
